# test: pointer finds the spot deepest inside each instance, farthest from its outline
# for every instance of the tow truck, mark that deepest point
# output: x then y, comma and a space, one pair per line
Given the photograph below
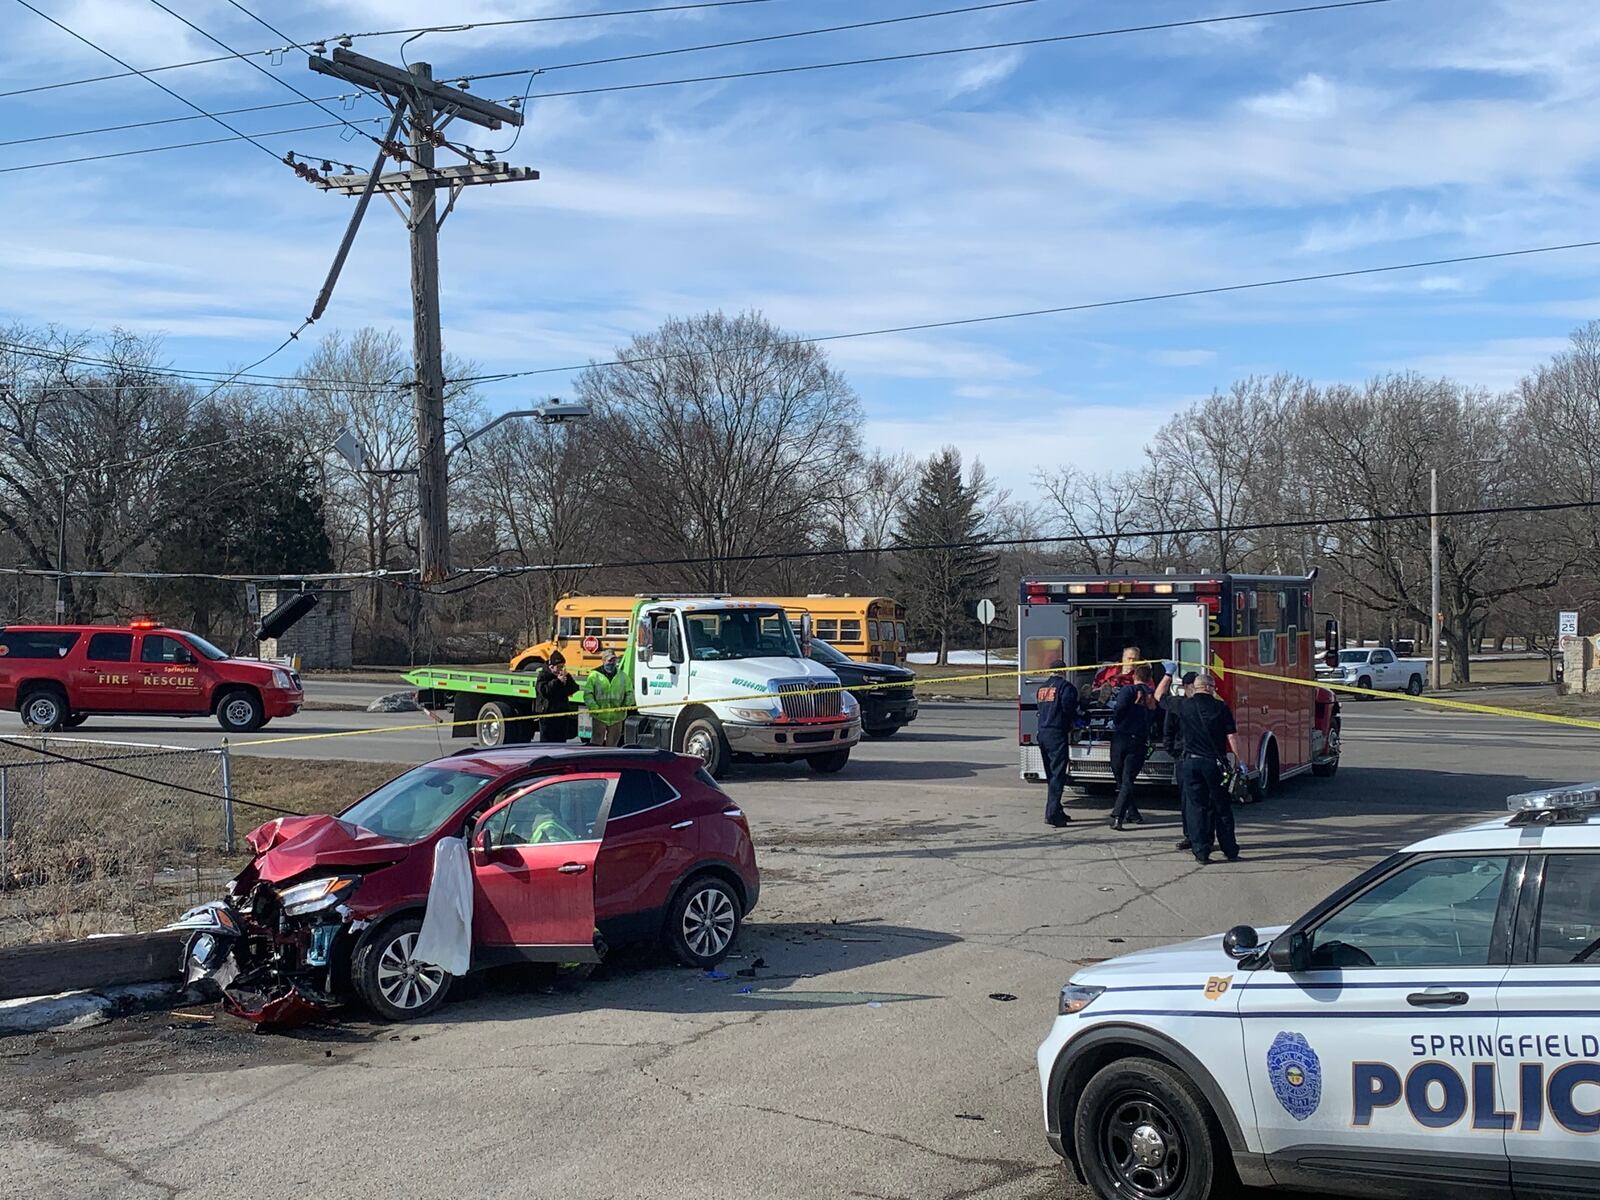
719, 679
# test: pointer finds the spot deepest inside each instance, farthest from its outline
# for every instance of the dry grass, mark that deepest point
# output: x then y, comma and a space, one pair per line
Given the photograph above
302, 785
1506, 670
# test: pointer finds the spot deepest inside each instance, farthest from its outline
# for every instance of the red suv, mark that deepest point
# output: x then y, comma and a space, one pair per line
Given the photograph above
571, 849
58, 675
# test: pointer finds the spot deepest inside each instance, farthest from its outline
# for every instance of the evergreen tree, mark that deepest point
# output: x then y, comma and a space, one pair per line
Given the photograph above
941, 588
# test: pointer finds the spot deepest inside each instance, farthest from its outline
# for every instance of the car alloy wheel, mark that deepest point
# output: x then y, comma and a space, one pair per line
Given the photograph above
43, 712
709, 920
1143, 1146
402, 980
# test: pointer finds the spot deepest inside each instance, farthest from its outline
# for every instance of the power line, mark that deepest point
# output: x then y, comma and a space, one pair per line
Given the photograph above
153, 82
290, 381
1125, 301
750, 41
530, 71
83, 158
460, 28
919, 54
533, 72
490, 573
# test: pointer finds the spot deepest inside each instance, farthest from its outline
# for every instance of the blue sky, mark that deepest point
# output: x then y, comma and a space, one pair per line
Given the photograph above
865, 197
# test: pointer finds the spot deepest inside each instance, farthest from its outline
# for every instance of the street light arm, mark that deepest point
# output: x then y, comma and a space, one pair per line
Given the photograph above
478, 433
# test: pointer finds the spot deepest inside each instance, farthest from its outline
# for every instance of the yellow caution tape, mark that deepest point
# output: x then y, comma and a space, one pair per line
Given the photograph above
1436, 701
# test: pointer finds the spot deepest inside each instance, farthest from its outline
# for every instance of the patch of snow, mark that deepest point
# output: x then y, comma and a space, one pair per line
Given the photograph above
964, 658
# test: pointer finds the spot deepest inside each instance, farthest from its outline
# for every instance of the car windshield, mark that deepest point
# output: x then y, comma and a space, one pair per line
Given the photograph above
411, 806
824, 653
741, 633
1354, 656
204, 647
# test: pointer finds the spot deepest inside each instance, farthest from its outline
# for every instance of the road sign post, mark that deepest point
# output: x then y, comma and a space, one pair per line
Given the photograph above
985, 619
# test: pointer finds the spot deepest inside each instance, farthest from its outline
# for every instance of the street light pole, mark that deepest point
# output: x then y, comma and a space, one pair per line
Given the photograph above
61, 551
1433, 522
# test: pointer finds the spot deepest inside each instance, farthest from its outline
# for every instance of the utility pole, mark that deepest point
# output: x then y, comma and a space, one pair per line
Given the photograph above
1433, 522
429, 107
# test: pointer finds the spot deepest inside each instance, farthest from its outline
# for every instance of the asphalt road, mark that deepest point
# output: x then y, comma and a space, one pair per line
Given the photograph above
868, 1060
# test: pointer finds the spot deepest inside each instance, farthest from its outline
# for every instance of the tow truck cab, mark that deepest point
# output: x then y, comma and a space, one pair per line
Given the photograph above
57, 676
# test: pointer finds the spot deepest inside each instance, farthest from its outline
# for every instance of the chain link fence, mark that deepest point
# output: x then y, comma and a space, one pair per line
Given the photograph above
101, 837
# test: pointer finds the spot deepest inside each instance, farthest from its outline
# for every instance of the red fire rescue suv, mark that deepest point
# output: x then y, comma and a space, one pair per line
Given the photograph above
57, 675
1253, 631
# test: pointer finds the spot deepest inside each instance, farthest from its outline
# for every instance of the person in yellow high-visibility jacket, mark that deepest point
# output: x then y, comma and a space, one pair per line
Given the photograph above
607, 692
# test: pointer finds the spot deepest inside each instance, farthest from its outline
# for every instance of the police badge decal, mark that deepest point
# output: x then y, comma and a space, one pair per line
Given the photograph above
1296, 1074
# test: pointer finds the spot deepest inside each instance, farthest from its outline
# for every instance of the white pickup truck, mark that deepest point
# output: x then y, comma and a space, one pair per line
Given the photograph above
1377, 669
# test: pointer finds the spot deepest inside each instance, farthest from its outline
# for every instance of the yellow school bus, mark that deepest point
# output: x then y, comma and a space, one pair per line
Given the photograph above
867, 628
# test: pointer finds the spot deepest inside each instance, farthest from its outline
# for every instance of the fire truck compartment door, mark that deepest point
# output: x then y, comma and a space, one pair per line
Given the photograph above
1190, 623
1044, 634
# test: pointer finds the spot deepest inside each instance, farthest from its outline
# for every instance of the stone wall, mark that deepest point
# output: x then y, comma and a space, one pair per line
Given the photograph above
323, 639
1581, 665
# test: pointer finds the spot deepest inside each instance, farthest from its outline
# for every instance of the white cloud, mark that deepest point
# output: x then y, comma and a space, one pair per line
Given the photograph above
1184, 358
1311, 98
988, 70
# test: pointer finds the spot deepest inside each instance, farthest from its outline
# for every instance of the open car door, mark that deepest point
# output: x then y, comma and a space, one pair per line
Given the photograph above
533, 863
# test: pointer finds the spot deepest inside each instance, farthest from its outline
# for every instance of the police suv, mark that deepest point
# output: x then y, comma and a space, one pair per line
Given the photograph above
1430, 1029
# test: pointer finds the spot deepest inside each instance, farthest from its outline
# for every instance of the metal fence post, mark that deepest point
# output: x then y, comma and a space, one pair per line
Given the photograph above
227, 798
5, 826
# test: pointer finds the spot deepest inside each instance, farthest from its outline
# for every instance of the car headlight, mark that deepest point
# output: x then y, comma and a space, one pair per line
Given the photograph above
282, 679
317, 894
758, 715
1075, 998
849, 705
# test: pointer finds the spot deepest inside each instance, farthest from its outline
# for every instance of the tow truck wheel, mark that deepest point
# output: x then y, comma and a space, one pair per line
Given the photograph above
44, 709
240, 711
703, 739
1143, 1130
829, 763
389, 981
497, 725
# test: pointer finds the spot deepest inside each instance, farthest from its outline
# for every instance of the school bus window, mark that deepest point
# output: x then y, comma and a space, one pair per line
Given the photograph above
566, 627
592, 626
616, 627
828, 630
899, 631
1039, 652
849, 631
872, 631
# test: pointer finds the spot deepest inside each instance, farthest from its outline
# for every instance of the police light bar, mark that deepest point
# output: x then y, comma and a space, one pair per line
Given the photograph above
1573, 797
143, 623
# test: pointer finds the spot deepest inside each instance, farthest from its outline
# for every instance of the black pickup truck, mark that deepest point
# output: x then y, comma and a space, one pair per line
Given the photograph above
884, 707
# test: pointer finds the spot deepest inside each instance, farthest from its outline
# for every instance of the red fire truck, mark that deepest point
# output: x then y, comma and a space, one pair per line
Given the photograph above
1254, 632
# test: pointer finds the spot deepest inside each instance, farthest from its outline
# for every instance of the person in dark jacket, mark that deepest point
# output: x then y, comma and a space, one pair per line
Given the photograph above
1058, 708
1133, 712
558, 719
1210, 738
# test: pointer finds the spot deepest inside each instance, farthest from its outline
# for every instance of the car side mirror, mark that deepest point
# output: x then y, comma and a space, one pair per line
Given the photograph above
1290, 952
485, 840
1241, 942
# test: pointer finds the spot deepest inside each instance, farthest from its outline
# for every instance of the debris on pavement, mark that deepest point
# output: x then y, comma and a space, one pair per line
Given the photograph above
714, 974
968, 1117
1003, 997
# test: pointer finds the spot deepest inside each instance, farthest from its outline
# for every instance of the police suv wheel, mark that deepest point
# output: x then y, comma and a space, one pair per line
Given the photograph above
44, 710
1142, 1131
240, 711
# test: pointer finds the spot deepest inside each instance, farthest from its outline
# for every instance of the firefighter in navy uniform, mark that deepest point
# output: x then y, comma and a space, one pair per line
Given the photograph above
1058, 708
1209, 736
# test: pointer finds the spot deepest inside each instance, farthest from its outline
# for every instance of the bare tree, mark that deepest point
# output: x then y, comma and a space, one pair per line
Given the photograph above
1099, 511
723, 438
